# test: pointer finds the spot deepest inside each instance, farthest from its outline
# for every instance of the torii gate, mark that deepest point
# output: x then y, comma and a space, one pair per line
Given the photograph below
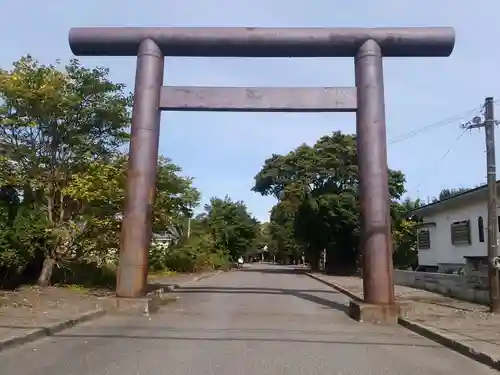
367, 45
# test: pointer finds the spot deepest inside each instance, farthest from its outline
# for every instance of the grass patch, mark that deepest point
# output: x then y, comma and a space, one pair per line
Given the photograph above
74, 287
164, 273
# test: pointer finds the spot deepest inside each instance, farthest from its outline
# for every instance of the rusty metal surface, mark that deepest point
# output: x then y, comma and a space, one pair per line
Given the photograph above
366, 44
261, 42
376, 241
142, 168
259, 99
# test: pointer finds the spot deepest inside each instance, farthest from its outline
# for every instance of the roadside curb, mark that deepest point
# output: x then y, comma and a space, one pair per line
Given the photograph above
201, 277
455, 345
172, 287
426, 331
335, 286
52, 329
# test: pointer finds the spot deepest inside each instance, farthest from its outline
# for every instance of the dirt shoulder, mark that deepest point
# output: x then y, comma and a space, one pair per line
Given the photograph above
30, 307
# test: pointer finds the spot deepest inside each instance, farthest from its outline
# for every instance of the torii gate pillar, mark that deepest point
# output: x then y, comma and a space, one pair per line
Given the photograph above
366, 45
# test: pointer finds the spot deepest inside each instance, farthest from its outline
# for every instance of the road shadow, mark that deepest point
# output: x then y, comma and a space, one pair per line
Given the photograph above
321, 301
308, 295
283, 270
271, 331
254, 339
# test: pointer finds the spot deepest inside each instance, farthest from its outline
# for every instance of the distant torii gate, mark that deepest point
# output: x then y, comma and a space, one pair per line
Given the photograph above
366, 45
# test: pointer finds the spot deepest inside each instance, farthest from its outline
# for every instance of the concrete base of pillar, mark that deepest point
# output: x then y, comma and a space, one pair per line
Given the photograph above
149, 304
377, 314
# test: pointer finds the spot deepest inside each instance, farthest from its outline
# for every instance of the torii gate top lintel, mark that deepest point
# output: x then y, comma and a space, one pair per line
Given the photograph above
368, 47
262, 42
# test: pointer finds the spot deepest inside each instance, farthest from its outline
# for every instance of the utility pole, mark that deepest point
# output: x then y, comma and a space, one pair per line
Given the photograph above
493, 259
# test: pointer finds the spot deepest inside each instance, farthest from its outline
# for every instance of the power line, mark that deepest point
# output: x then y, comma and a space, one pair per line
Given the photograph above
435, 125
438, 164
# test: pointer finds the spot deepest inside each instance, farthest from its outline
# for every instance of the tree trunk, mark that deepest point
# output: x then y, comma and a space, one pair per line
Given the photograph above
314, 259
341, 263
46, 274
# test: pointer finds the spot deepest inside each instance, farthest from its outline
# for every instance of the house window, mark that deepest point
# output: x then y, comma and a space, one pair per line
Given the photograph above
424, 239
480, 228
460, 233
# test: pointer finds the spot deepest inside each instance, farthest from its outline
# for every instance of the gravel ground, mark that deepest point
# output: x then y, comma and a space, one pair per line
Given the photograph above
32, 307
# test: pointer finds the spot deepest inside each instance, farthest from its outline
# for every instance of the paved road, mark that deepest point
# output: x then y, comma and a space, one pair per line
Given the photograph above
259, 321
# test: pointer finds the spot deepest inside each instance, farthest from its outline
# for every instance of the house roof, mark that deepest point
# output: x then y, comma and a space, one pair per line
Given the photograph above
454, 201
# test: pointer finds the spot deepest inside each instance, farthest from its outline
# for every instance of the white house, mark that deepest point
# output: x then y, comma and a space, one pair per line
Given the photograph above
454, 229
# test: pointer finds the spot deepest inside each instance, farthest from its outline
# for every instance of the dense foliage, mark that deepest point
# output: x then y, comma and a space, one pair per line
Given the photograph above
448, 193
318, 207
62, 176
218, 236
63, 130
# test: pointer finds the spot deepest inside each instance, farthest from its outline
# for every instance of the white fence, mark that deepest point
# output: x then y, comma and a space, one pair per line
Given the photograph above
467, 288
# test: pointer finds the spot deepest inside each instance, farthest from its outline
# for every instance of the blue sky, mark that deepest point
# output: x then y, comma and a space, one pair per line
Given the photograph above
224, 151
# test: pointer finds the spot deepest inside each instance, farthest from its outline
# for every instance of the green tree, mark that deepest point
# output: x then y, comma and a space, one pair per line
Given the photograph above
263, 248
56, 121
63, 174
285, 242
219, 235
21, 236
404, 233
448, 193
317, 191
100, 191
176, 197
232, 228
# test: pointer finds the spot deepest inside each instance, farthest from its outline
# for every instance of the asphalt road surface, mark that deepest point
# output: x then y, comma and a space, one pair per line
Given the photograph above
257, 321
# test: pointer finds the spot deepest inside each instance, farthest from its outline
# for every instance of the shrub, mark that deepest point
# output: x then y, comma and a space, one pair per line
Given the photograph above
197, 254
